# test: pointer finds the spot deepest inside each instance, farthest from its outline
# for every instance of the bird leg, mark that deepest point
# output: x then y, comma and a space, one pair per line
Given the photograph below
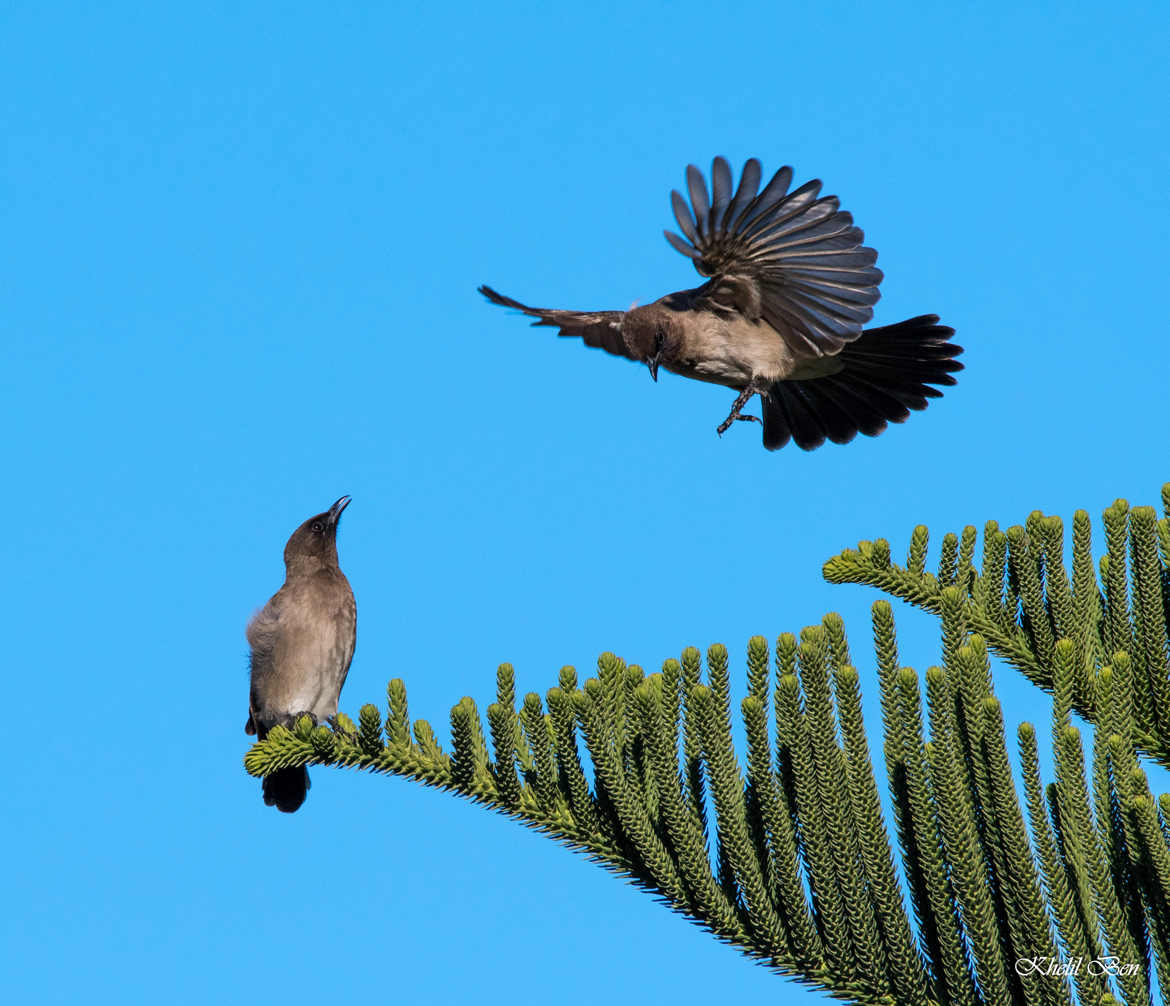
342, 729
739, 403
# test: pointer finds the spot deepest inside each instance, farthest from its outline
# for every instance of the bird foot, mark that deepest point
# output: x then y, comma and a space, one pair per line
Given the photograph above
340, 727
735, 414
731, 420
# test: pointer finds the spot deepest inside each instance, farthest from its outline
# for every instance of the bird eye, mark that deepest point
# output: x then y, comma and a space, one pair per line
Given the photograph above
318, 526
659, 339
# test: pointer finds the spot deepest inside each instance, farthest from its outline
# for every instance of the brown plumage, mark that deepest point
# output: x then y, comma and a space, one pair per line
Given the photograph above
302, 643
790, 287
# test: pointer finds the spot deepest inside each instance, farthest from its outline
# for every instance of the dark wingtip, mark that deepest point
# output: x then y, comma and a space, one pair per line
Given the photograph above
498, 298
680, 245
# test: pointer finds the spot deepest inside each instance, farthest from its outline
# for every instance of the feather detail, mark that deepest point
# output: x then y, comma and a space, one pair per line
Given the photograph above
885, 375
814, 281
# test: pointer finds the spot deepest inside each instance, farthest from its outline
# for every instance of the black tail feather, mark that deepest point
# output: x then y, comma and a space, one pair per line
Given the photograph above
885, 374
286, 790
777, 431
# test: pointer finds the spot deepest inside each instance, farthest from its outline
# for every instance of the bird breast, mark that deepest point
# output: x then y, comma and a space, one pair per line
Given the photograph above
732, 351
306, 644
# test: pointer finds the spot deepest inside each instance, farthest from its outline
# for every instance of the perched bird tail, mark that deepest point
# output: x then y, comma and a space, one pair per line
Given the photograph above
885, 373
286, 790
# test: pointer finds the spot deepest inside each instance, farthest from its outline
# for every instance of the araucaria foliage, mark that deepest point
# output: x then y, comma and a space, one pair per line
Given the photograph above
787, 855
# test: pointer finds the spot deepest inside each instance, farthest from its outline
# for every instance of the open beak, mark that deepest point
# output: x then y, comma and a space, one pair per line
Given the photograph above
653, 365
335, 510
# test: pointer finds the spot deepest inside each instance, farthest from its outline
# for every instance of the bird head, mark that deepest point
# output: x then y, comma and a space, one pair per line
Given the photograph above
314, 543
651, 336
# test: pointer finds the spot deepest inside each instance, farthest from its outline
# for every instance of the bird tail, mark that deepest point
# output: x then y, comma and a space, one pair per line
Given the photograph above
885, 373
286, 789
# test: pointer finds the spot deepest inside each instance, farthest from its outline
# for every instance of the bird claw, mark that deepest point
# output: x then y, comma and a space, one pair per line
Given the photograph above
341, 729
732, 420
739, 403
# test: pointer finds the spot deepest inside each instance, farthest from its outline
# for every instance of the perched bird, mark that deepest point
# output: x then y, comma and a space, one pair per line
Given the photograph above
302, 643
790, 287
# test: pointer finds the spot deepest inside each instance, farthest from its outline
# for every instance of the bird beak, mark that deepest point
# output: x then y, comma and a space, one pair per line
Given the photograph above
653, 365
335, 510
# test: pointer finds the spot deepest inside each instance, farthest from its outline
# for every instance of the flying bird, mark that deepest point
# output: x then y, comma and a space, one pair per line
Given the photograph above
302, 643
781, 316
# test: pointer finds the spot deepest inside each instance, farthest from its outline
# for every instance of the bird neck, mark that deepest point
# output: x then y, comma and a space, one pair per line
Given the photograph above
307, 565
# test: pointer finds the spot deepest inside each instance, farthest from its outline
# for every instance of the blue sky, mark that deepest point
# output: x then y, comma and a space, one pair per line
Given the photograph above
241, 251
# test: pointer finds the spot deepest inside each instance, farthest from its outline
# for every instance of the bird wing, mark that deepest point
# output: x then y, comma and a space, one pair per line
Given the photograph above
601, 329
262, 633
791, 258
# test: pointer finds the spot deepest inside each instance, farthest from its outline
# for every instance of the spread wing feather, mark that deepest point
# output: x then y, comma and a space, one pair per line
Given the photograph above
794, 259
601, 329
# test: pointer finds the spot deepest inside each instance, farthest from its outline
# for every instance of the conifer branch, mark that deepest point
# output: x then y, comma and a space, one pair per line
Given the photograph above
626, 767
1022, 602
